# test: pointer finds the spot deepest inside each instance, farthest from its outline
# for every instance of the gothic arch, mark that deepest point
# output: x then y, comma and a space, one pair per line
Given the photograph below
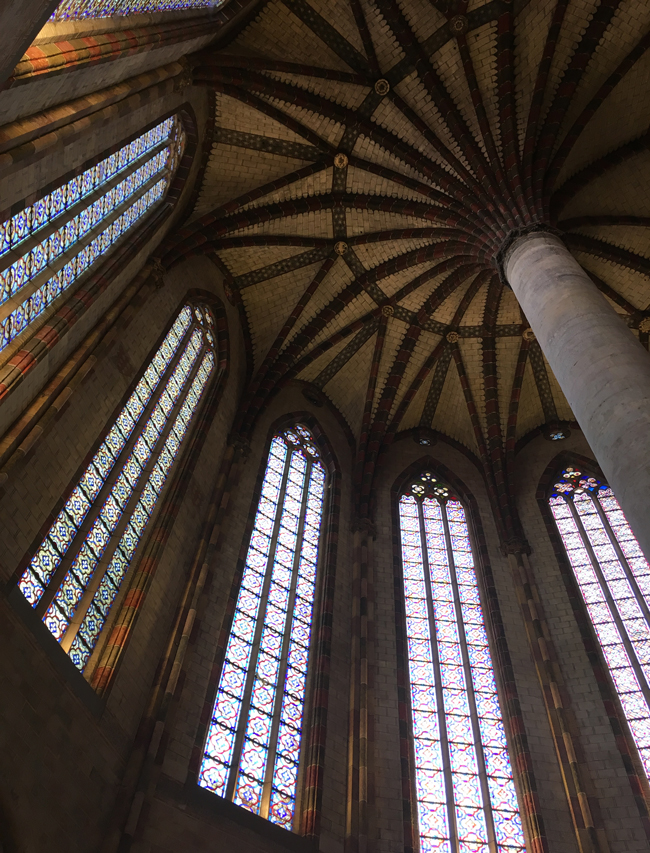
314, 731
521, 760
612, 705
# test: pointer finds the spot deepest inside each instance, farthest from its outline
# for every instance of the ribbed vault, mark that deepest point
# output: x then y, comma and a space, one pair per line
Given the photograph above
371, 159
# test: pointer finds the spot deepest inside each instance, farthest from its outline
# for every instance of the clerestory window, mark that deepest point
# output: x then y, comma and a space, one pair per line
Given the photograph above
71, 9
47, 246
252, 753
614, 579
79, 566
464, 787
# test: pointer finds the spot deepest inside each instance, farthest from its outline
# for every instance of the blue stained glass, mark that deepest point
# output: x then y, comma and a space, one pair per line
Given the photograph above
276, 670
64, 236
119, 499
440, 653
587, 512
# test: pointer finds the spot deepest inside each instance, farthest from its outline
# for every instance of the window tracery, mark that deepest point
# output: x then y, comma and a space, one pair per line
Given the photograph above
614, 578
77, 570
75, 9
253, 746
48, 245
465, 792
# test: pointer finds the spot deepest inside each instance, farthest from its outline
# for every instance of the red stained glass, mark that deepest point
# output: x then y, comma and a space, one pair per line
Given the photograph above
277, 591
452, 688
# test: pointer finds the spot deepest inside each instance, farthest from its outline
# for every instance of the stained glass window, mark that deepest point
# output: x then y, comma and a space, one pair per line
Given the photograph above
68, 9
77, 569
252, 751
614, 579
47, 246
466, 798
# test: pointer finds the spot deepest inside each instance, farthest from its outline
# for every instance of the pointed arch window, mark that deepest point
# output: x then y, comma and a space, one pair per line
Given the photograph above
465, 792
79, 566
47, 246
75, 9
253, 747
614, 579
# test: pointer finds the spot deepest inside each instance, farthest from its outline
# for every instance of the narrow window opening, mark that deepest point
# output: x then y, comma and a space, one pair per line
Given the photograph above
78, 568
465, 792
614, 578
48, 245
253, 747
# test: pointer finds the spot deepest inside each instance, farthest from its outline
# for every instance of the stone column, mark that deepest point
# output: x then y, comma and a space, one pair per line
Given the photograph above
20, 23
602, 369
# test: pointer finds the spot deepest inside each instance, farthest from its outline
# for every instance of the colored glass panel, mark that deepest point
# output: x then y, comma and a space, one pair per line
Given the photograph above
466, 798
614, 579
252, 751
45, 247
85, 555
68, 9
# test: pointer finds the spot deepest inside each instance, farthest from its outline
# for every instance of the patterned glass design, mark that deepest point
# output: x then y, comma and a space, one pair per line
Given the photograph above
614, 579
70, 9
47, 246
78, 568
252, 751
466, 798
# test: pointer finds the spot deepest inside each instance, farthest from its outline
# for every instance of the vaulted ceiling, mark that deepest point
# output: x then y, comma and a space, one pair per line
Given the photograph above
374, 274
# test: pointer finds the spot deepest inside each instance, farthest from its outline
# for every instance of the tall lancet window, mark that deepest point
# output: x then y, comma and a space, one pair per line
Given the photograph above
253, 747
466, 799
614, 578
68, 9
46, 247
78, 567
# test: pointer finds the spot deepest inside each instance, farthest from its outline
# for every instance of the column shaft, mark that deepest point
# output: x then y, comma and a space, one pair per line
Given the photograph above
602, 369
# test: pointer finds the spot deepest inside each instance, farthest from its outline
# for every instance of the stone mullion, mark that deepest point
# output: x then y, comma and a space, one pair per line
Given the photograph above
244, 709
109, 481
127, 513
30, 287
39, 236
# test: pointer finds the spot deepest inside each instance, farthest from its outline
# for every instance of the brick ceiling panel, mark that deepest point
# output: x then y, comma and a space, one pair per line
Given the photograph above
605, 132
472, 353
531, 28
279, 34
507, 356
441, 167
247, 261
631, 19
266, 306
368, 183
423, 17
415, 94
449, 66
373, 254
386, 46
232, 114
421, 351
343, 389
452, 417
509, 311
350, 95
530, 413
